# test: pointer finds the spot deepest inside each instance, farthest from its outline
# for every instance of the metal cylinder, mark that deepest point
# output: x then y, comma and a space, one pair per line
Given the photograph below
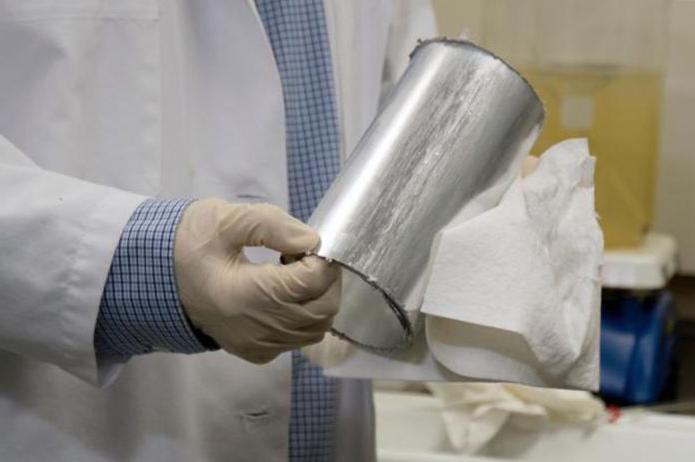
458, 122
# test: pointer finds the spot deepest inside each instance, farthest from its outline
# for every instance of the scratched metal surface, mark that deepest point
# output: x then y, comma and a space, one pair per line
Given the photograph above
459, 121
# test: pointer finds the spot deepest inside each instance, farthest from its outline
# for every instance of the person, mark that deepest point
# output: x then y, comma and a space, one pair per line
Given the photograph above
141, 142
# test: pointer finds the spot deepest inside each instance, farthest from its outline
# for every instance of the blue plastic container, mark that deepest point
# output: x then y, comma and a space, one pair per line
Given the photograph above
638, 346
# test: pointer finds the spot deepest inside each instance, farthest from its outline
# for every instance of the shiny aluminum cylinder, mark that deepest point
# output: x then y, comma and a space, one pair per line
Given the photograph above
458, 122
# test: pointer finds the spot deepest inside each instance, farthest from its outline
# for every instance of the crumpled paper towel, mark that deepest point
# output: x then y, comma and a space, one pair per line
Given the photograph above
514, 292
474, 413
519, 285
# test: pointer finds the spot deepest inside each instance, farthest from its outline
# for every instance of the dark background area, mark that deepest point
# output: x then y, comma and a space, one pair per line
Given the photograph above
683, 290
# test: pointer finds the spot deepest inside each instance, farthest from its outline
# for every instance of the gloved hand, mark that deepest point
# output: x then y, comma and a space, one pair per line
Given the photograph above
529, 165
255, 311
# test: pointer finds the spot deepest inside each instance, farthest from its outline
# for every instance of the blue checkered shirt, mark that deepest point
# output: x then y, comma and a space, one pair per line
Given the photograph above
140, 311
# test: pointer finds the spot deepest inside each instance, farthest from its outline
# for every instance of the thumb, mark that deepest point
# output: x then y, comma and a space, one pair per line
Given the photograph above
268, 226
301, 281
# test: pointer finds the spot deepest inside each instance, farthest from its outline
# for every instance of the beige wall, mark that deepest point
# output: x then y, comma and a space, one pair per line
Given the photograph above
675, 201
455, 15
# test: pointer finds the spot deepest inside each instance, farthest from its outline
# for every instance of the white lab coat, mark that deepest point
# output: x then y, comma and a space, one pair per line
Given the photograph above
101, 104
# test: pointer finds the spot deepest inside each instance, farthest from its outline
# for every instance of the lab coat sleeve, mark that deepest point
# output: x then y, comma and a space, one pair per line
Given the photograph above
410, 21
57, 238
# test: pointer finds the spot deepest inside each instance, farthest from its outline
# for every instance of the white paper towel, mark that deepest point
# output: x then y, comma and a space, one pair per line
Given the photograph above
474, 413
514, 292
528, 272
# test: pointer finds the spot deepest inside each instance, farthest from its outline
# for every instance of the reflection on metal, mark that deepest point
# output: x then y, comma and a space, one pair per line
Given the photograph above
454, 129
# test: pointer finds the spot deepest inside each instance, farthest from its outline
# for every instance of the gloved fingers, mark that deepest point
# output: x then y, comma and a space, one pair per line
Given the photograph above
257, 355
297, 342
314, 341
268, 226
291, 337
324, 308
315, 333
303, 280
293, 325
264, 357
298, 323
320, 326
312, 316
253, 348
529, 165
265, 351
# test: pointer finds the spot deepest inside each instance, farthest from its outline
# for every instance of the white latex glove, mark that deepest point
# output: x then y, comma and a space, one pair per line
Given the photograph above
255, 311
